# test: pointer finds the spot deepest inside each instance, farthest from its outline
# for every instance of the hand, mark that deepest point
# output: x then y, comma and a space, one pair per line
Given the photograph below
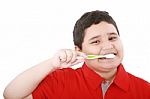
66, 57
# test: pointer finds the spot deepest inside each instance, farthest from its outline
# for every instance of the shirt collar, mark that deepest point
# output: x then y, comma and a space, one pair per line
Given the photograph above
122, 79
94, 80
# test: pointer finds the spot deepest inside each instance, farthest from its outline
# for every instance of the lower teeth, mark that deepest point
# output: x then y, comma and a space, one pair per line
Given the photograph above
103, 58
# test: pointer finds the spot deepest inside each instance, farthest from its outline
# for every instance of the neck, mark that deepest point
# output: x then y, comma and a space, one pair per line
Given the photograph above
109, 75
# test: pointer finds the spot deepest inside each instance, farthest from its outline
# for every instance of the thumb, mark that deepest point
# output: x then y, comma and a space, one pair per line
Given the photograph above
81, 54
78, 61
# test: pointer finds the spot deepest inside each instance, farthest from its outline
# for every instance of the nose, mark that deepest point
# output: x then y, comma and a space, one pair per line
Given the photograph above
106, 46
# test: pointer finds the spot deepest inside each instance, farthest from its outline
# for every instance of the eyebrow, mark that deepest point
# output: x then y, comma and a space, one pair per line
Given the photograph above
100, 35
112, 33
95, 37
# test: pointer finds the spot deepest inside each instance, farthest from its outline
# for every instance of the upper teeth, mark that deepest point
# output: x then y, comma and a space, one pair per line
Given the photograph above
109, 56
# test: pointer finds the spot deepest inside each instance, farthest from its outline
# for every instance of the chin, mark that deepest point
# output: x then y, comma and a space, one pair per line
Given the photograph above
105, 65
108, 66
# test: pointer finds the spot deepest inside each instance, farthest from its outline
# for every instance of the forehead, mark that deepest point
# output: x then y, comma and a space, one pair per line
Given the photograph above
103, 28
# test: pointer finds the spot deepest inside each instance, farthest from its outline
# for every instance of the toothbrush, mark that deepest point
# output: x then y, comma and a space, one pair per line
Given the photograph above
100, 56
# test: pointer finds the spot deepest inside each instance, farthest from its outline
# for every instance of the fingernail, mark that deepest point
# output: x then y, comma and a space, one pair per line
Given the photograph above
84, 55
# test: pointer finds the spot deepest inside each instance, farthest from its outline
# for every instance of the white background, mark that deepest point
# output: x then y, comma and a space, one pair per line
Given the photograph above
33, 30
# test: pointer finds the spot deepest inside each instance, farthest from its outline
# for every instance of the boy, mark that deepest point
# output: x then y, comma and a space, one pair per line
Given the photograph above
95, 33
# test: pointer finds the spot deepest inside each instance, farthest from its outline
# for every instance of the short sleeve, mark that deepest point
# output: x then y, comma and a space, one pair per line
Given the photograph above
51, 86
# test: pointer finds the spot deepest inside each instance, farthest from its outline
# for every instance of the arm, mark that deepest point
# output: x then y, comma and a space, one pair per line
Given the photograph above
24, 84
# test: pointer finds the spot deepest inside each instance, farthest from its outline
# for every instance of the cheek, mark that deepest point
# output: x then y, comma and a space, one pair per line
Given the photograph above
90, 49
119, 47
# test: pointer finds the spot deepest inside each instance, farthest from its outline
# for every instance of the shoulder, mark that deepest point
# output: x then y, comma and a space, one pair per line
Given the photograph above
65, 73
137, 79
54, 84
139, 82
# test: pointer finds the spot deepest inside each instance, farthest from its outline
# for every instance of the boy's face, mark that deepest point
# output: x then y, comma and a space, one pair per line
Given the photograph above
102, 39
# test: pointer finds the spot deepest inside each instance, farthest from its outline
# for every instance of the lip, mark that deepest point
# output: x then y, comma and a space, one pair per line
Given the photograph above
108, 59
115, 53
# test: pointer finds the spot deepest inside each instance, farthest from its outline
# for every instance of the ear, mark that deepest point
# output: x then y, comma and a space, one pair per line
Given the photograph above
77, 48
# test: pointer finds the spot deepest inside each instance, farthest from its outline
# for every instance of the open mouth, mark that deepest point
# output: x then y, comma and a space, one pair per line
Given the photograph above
108, 56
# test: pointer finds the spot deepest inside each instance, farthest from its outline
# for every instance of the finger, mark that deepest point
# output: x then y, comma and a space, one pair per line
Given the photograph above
77, 62
81, 54
69, 54
74, 57
62, 56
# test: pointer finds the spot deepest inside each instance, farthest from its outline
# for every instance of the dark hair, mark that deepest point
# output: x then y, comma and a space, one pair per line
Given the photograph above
88, 19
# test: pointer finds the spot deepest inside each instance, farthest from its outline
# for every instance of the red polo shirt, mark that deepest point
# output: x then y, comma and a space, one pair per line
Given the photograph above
83, 83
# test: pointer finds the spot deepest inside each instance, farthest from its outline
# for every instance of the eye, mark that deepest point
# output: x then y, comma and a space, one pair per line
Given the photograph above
113, 38
95, 42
